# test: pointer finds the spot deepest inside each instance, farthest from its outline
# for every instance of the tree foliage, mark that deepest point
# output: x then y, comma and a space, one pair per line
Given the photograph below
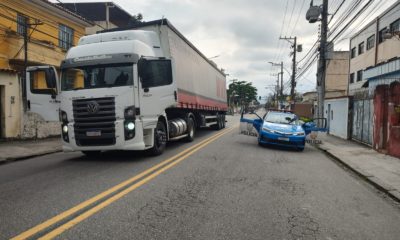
242, 92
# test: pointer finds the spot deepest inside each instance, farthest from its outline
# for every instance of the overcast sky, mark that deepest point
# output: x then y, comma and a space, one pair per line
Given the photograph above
245, 33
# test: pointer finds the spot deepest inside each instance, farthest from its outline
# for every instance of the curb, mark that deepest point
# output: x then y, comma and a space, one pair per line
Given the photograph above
14, 159
392, 193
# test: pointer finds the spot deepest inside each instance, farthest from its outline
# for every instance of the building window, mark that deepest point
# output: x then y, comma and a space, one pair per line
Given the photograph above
381, 33
353, 52
361, 48
359, 75
395, 26
371, 42
65, 37
21, 23
352, 78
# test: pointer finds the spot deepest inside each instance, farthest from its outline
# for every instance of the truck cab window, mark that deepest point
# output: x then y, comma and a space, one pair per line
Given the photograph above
39, 84
156, 73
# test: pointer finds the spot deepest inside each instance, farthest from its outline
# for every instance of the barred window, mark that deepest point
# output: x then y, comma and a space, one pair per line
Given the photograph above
352, 78
65, 37
361, 48
21, 22
359, 75
371, 42
353, 52
395, 26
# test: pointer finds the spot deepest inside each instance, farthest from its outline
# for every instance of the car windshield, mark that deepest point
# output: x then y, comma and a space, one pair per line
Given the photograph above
282, 118
103, 76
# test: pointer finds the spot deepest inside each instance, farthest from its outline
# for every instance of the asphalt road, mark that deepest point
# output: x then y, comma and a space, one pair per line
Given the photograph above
222, 187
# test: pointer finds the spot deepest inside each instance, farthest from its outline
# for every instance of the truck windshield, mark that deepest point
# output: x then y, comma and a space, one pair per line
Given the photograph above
100, 76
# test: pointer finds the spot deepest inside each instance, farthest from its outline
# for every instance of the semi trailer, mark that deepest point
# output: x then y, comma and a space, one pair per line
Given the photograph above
130, 89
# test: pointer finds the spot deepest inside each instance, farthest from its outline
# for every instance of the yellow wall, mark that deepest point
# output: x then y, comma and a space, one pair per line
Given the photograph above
42, 50
43, 46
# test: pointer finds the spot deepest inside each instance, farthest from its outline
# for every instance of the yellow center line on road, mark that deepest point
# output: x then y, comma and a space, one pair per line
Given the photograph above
56, 232
187, 152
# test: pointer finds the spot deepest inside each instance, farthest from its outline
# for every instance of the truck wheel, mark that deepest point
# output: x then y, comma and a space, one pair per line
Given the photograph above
92, 154
223, 121
218, 125
191, 130
160, 139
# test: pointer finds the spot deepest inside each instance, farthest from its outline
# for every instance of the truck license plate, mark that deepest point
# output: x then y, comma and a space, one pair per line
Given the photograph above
283, 139
93, 133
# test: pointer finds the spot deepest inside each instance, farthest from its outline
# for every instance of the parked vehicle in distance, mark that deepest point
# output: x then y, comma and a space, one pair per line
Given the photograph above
282, 128
132, 89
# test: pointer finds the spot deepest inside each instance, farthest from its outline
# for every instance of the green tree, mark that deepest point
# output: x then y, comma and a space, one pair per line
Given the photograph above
241, 93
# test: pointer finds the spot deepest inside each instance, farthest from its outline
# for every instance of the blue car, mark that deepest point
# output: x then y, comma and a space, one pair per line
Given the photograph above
283, 129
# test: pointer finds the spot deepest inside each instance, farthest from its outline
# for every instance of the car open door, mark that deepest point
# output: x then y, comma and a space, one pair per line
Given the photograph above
42, 92
315, 125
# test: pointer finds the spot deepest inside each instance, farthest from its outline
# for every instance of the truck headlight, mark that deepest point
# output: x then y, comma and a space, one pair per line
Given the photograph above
130, 126
64, 132
129, 112
129, 129
63, 117
65, 129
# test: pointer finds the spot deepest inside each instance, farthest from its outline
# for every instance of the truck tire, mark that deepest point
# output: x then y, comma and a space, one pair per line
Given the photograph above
218, 125
92, 154
160, 139
191, 130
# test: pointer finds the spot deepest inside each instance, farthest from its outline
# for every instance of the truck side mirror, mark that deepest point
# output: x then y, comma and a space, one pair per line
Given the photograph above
50, 78
142, 65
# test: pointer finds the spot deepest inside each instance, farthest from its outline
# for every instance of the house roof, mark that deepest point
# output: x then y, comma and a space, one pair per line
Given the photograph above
96, 11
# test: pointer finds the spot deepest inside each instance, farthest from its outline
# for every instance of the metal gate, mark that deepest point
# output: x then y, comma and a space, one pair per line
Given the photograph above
362, 118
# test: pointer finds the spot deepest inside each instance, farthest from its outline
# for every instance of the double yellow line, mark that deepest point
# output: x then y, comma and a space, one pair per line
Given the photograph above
113, 194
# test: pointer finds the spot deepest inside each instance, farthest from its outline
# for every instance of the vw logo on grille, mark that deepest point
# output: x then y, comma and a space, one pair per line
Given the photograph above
92, 107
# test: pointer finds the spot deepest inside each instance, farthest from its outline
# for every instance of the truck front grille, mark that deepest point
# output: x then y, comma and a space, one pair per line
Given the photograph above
94, 121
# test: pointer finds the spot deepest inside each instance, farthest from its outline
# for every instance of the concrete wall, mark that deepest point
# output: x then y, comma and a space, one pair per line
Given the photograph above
338, 116
337, 70
100, 25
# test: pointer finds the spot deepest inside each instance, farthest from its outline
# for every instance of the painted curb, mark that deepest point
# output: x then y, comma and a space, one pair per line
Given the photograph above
13, 159
394, 194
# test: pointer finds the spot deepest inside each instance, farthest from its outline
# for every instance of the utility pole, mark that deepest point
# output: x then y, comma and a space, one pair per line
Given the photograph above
322, 59
281, 79
293, 80
312, 16
280, 89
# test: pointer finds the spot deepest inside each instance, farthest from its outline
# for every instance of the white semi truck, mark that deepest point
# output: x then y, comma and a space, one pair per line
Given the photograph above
132, 89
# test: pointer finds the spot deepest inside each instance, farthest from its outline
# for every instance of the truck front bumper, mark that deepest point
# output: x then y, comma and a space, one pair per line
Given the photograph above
136, 143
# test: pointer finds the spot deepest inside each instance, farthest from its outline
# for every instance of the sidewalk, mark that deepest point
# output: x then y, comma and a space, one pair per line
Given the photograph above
381, 170
15, 150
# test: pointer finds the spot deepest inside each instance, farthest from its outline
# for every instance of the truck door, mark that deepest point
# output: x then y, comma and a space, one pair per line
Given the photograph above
156, 91
42, 92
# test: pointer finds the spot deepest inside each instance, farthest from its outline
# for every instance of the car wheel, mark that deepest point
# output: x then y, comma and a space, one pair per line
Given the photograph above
160, 139
300, 149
